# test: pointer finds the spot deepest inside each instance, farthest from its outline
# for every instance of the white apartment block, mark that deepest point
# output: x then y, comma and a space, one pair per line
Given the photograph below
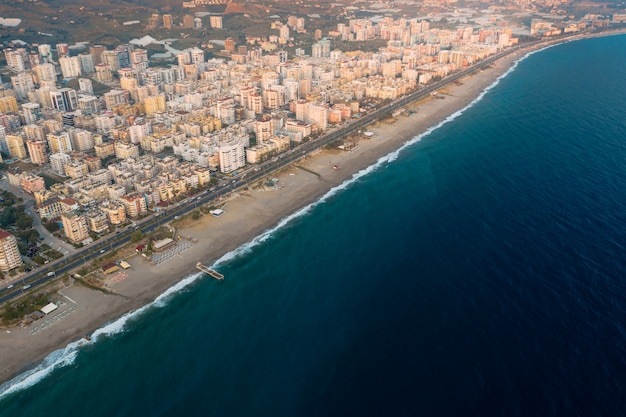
22, 85
232, 155
81, 140
58, 162
15, 60
70, 66
10, 257
45, 72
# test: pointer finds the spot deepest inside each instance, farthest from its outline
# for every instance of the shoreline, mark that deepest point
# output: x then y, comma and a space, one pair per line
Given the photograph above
249, 215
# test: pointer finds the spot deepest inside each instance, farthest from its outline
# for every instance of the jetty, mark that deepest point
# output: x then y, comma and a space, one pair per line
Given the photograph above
209, 271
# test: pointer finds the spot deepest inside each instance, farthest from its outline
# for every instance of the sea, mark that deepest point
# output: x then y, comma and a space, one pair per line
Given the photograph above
478, 271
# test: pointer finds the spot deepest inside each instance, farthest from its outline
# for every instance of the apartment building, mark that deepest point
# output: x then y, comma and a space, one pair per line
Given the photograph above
10, 257
75, 227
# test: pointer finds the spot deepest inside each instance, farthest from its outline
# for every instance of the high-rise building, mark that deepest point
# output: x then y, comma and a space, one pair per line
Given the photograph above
215, 22
134, 204
154, 104
34, 59
317, 113
8, 104
10, 257
64, 99
112, 59
188, 21
59, 142
45, 72
85, 85
104, 73
87, 65
81, 140
321, 49
15, 60
153, 21
232, 155
197, 55
229, 45
75, 227
167, 21
37, 151
95, 51
58, 162
15, 142
45, 52
34, 132
70, 66
63, 50
22, 85
31, 113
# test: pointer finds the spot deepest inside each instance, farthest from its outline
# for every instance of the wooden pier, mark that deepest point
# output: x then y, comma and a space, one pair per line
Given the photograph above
209, 271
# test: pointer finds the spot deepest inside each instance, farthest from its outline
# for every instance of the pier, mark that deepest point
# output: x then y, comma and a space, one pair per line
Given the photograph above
209, 271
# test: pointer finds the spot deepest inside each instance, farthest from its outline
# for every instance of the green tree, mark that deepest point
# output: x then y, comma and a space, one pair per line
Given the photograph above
136, 236
52, 226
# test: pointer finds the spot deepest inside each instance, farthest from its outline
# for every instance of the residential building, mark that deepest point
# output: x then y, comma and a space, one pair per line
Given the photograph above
59, 142
15, 143
97, 221
232, 155
32, 183
75, 227
37, 151
134, 204
10, 257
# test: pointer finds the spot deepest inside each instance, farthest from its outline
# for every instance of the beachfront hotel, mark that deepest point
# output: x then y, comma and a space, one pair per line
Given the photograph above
10, 257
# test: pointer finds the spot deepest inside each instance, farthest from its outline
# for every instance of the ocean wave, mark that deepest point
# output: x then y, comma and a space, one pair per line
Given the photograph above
57, 359
67, 356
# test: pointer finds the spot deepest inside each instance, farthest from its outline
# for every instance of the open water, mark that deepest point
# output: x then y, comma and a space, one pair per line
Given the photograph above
479, 271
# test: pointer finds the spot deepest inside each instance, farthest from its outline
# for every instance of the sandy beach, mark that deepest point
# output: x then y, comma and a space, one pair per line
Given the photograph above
247, 215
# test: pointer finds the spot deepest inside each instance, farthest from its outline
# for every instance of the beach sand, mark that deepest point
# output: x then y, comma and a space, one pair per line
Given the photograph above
246, 216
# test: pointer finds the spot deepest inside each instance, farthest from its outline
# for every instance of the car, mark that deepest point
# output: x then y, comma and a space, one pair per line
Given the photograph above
50, 274
102, 251
10, 286
25, 287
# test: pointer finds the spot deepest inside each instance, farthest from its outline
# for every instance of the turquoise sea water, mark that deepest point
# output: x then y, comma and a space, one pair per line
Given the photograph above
481, 272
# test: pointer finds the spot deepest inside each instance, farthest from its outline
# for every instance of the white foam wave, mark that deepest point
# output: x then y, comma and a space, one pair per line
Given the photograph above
65, 357
57, 359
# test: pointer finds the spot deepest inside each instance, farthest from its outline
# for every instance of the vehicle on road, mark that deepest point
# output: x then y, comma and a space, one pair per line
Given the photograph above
10, 286
25, 287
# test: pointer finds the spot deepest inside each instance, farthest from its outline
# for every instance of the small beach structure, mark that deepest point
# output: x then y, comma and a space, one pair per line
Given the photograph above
217, 212
49, 308
163, 244
110, 267
209, 271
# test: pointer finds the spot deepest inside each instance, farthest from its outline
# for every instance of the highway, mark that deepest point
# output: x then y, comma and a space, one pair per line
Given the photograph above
81, 256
